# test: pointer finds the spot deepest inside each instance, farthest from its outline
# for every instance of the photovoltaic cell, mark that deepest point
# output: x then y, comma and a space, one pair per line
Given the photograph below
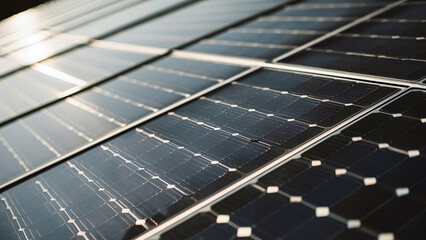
84, 14
55, 77
190, 23
358, 188
389, 45
140, 178
272, 35
57, 130
114, 21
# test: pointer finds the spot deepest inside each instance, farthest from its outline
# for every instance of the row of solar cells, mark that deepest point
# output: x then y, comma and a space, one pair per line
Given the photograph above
391, 44
163, 166
129, 97
288, 25
195, 21
367, 182
63, 127
270, 36
68, 73
170, 163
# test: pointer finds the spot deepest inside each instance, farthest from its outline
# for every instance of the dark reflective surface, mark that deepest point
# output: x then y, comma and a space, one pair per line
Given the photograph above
129, 14
141, 178
356, 180
190, 23
389, 45
32, 87
59, 129
272, 35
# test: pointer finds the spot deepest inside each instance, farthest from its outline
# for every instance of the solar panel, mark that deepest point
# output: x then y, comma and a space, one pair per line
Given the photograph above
57, 129
193, 22
61, 76
182, 157
361, 183
274, 34
389, 45
213, 119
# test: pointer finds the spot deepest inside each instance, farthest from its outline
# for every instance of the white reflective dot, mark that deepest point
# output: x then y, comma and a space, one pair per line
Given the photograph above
354, 223
370, 181
222, 219
272, 189
315, 163
295, 198
402, 191
322, 211
340, 171
385, 236
244, 232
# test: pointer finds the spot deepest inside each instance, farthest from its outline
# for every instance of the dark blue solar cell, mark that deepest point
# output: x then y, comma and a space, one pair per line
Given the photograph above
406, 10
216, 231
318, 228
332, 191
258, 210
306, 181
377, 163
184, 25
284, 221
411, 104
393, 68
393, 28
394, 215
276, 33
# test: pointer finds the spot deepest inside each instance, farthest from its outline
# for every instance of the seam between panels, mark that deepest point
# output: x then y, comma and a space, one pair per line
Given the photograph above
338, 30
295, 68
252, 177
120, 130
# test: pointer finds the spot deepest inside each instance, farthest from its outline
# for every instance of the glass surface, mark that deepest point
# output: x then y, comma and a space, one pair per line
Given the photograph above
306, 200
192, 22
389, 45
69, 124
51, 79
138, 179
272, 35
121, 18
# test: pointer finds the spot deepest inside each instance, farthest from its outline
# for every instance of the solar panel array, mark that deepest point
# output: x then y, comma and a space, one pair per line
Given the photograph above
213, 119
